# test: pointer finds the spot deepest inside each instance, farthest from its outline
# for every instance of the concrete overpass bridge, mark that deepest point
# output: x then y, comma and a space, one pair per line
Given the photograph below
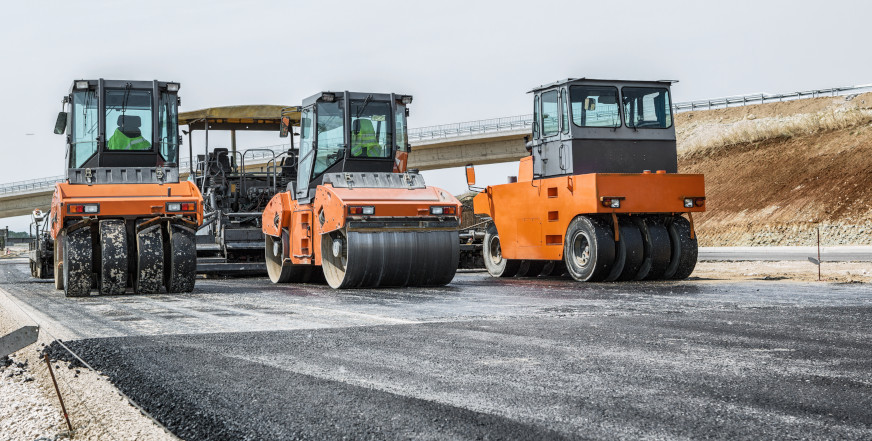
444, 146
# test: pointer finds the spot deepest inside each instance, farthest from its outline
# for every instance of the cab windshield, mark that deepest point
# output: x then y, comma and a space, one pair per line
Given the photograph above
647, 107
128, 119
370, 129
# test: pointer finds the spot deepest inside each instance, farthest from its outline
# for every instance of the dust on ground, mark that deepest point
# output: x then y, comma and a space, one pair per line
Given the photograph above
786, 271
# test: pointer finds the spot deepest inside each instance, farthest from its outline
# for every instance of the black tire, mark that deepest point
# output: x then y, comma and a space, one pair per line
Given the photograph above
496, 265
658, 249
113, 257
685, 250
149, 275
531, 268
77, 263
180, 265
588, 249
632, 249
278, 271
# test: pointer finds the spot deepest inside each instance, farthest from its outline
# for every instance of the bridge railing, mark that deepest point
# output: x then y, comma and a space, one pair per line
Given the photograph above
30, 185
508, 123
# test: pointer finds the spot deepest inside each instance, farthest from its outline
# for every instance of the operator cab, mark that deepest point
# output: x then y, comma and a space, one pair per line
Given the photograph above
121, 132
602, 126
350, 132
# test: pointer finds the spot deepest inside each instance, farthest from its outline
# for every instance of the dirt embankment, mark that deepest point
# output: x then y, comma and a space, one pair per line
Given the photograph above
775, 172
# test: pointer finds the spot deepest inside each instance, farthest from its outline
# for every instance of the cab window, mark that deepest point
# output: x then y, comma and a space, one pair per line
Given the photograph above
83, 127
168, 123
329, 136
536, 117
595, 106
306, 120
647, 107
550, 114
370, 129
128, 119
400, 122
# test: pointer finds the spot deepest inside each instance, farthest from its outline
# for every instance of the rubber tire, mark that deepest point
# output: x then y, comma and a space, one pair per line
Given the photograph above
58, 262
180, 264
658, 249
113, 257
493, 259
531, 268
598, 241
685, 250
78, 263
278, 271
630, 252
149, 275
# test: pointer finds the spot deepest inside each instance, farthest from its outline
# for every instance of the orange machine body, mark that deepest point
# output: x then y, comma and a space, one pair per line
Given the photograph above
303, 224
532, 215
124, 201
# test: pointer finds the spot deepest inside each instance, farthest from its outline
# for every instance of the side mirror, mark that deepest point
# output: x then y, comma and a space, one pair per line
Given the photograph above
61, 123
470, 175
589, 104
407, 112
284, 127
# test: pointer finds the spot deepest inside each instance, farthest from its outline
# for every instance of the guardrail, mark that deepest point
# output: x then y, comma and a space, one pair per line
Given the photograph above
526, 121
511, 123
31, 185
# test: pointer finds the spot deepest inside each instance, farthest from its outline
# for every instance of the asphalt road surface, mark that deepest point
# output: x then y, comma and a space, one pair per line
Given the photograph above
481, 358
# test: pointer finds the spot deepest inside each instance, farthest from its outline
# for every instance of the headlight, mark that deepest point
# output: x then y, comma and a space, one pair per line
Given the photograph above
688, 202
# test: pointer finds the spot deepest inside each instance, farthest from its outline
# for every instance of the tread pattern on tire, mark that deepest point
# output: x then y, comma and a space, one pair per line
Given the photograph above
77, 262
685, 251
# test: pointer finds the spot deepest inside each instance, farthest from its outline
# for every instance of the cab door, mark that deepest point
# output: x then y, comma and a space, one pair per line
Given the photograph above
307, 153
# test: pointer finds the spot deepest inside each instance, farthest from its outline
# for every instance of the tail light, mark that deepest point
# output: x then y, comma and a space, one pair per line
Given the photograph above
83, 208
181, 206
443, 211
694, 202
364, 211
611, 201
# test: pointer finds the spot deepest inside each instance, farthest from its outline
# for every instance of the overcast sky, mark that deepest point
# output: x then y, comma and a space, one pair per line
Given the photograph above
462, 60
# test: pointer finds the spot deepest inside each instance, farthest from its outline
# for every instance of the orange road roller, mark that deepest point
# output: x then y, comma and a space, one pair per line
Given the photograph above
599, 196
355, 216
123, 219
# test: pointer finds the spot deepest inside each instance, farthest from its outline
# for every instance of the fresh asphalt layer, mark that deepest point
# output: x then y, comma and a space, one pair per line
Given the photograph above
481, 358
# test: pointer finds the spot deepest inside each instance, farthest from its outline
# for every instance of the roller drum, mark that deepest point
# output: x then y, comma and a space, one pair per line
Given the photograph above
389, 258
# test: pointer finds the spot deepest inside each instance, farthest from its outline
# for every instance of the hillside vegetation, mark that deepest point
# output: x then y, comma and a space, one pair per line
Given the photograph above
774, 172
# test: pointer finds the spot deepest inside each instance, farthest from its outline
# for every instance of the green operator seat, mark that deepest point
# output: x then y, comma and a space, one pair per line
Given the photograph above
364, 141
128, 135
